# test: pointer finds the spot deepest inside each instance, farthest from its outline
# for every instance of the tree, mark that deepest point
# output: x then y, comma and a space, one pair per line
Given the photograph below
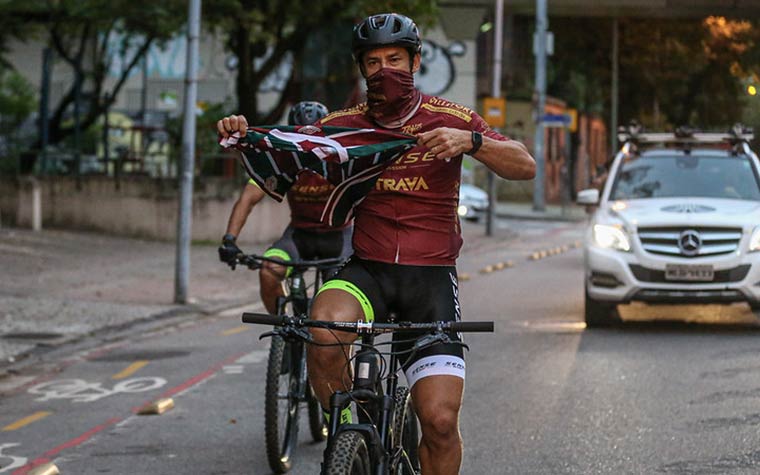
84, 34
271, 29
672, 71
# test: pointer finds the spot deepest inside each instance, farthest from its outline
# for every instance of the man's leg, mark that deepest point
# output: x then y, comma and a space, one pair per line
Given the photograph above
271, 277
328, 368
437, 400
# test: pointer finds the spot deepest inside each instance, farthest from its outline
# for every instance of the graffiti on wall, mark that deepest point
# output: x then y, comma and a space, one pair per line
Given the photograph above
437, 72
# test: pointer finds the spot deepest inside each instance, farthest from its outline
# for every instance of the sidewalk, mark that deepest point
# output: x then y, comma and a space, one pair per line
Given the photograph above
61, 286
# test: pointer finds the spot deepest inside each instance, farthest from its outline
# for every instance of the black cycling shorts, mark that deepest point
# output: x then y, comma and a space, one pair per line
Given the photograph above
302, 244
409, 293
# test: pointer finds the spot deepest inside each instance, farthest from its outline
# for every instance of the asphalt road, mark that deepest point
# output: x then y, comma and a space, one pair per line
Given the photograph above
544, 395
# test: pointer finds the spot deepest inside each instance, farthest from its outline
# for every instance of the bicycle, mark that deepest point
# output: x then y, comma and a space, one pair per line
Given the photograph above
385, 441
287, 385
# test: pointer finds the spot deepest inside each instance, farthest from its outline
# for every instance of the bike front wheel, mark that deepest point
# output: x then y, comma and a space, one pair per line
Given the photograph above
406, 434
348, 455
281, 406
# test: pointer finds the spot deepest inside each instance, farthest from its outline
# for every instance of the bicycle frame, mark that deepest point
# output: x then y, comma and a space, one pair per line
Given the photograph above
368, 394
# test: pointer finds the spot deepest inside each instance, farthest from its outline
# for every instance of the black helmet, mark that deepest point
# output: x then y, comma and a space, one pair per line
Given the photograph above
385, 29
306, 113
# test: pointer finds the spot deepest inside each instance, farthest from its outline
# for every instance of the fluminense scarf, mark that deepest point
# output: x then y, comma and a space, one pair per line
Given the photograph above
351, 159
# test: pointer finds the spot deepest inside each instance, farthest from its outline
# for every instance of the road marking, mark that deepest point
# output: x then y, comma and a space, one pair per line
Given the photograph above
236, 330
79, 390
254, 357
233, 369
16, 462
130, 370
26, 421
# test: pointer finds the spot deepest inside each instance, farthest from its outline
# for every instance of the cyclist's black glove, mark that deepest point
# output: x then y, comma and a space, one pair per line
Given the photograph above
228, 251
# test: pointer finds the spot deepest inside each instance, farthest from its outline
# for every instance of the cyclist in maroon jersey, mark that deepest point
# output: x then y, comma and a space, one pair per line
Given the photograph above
406, 231
305, 237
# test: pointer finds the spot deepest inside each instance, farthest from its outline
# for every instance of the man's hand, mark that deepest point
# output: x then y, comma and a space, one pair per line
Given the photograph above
232, 124
446, 142
229, 252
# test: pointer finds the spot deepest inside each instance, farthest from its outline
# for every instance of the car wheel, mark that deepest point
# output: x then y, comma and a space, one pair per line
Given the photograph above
601, 314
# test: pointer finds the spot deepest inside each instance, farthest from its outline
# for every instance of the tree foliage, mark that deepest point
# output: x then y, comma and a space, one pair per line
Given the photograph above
271, 29
84, 34
672, 71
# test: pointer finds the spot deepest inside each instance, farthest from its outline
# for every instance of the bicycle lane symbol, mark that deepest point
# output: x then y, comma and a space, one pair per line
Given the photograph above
79, 390
16, 462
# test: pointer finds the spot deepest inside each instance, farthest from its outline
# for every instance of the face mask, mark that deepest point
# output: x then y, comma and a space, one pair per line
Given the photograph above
392, 97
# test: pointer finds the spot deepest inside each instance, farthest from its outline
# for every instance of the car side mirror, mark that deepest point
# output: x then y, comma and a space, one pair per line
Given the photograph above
588, 197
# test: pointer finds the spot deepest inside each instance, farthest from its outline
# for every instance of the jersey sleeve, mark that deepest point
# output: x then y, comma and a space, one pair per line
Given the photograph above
478, 124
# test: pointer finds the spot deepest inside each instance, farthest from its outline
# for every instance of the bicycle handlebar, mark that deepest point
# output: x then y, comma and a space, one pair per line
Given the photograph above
362, 327
254, 261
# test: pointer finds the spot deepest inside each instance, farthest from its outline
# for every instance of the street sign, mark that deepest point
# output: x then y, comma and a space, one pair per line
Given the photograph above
556, 120
573, 113
495, 111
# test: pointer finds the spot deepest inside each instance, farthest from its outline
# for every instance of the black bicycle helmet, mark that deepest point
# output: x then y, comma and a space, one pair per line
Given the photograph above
306, 113
385, 29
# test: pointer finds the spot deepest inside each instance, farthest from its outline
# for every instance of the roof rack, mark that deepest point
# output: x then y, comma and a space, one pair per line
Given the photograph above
684, 136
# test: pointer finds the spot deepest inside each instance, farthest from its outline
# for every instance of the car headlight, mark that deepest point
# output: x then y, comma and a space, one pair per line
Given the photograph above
611, 237
754, 241
462, 210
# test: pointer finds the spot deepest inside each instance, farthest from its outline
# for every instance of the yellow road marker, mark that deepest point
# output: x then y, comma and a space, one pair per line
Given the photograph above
157, 408
26, 421
130, 370
236, 330
499, 266
46, 469
486, 270
464, 277
535, 256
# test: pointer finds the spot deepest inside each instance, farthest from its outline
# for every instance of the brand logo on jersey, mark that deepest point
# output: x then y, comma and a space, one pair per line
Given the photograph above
312, 189
416, 183
411, 129
308, 129
270, 183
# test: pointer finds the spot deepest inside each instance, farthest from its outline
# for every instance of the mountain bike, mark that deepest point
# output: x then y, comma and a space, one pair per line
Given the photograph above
287, 385
385, 440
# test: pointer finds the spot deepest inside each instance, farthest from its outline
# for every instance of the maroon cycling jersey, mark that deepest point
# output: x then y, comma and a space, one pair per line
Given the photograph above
306, 199
410, 217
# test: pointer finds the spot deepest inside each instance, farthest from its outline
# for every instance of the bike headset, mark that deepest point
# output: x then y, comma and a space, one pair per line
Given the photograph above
306, 113
385, 29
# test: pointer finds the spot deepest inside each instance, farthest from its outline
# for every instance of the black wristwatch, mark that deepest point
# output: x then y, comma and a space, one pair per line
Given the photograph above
229, 238
477, 141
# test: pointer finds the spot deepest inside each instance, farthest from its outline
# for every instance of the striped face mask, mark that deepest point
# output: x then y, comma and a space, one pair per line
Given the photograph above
392, 97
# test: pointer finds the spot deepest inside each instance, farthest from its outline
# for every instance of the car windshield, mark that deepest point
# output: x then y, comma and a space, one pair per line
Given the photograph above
664, 176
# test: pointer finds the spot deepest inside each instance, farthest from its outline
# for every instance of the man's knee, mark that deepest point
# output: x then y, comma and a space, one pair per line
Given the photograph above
440, 422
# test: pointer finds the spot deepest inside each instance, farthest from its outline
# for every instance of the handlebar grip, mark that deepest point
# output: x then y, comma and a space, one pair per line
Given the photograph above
472, 327
264, 319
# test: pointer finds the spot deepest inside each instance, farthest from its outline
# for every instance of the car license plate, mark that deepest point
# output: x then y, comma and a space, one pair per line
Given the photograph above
700, 273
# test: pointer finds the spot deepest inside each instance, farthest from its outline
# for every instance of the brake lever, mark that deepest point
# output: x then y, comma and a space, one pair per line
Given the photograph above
437, 338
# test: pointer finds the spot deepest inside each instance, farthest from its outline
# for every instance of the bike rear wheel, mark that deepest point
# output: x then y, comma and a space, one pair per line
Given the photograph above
281, 405
348, 455
317, 421
406, 433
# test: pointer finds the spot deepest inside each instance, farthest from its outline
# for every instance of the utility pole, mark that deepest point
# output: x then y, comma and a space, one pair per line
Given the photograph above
498, 41
540, 93
184, 218
615, 82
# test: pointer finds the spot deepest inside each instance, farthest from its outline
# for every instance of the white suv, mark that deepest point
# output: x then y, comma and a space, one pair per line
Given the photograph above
678, 222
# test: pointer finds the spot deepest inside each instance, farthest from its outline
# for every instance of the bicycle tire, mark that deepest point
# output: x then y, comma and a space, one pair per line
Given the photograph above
406, 432
348, 455
317, 421
280, 429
